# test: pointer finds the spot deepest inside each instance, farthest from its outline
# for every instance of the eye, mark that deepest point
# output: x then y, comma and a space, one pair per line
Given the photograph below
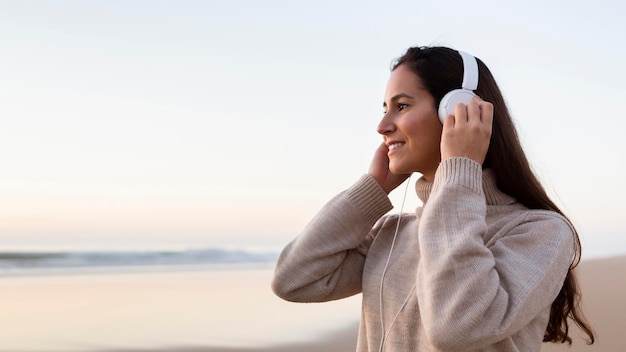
401, 106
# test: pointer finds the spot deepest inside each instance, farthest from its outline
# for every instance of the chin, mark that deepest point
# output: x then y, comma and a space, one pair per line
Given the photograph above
399, 170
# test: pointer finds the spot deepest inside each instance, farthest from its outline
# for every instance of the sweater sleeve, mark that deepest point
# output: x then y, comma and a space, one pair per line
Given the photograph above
325, 262
474, 294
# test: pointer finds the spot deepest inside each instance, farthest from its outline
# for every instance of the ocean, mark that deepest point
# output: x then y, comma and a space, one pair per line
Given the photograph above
21, 262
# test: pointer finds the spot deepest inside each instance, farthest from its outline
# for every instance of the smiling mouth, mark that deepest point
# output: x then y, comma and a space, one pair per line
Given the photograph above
395, 146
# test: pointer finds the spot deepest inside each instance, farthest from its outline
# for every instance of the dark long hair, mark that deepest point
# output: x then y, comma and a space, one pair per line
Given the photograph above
440, 69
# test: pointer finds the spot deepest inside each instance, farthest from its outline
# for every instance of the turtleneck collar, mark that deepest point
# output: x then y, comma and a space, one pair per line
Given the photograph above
493, 195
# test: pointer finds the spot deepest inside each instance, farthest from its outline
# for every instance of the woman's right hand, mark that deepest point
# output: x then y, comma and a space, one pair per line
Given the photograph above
379, 170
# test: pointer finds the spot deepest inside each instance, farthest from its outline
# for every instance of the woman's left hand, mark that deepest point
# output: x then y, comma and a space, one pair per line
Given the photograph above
467, 132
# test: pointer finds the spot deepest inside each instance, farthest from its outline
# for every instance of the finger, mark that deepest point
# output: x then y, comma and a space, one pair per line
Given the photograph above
381, 160
448, 122
379, 166
486, 112
474, 110
460, 114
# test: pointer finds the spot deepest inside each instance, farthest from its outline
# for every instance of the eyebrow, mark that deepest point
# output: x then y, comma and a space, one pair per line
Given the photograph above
397, 97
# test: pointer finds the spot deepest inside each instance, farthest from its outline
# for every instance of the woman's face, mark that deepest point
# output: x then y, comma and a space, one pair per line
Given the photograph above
410, 127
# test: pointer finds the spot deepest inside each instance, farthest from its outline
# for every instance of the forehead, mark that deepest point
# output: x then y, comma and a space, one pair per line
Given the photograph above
404, 80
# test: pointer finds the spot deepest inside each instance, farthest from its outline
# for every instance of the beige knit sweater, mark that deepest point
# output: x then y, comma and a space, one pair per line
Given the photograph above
471, 270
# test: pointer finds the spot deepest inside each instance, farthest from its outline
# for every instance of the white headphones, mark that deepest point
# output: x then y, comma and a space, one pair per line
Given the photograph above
465, 94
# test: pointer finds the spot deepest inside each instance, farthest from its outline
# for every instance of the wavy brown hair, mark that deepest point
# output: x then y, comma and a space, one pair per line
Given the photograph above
440, 69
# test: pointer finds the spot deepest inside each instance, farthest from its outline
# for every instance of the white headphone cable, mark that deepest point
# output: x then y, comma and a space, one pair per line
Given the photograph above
382, 279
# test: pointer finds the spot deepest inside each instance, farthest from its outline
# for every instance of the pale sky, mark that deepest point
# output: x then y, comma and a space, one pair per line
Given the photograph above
230, 122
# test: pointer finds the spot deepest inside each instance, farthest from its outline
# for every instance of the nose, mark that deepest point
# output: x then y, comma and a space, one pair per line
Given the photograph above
386, 125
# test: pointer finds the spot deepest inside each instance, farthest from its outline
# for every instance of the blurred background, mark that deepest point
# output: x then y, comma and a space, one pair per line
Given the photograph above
159, 133
127, 123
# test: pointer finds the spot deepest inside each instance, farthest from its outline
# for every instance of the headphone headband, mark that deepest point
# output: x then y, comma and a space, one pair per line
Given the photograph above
470, 71
466, 92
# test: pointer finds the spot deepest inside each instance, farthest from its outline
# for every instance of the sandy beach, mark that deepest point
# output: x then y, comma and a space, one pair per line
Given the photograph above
191, 309
225, 311
603, 283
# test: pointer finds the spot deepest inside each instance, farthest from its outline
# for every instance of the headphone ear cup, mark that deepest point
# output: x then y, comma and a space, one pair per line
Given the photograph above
451, 100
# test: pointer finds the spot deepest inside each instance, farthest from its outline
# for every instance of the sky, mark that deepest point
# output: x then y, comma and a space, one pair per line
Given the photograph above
232, 122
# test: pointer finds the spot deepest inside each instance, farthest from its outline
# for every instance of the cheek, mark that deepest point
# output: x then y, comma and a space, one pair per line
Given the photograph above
427, 145
426, 133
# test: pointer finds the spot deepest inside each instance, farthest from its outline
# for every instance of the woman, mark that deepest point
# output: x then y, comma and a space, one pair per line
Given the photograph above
484, 265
